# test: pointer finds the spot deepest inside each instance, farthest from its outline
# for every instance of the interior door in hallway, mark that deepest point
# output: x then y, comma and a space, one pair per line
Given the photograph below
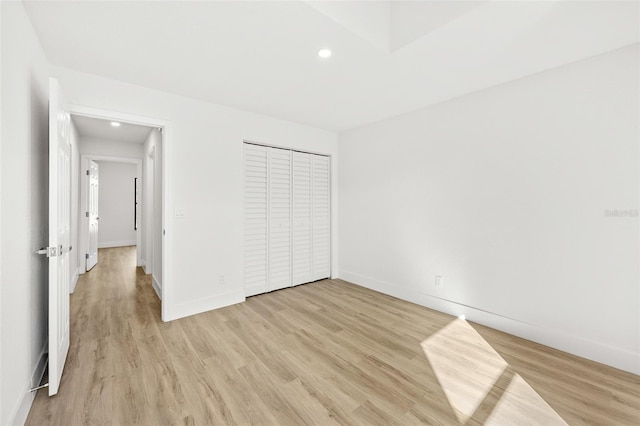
92, 213
59, 233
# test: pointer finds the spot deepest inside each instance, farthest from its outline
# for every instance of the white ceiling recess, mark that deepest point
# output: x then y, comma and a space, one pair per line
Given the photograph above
389, 57
97, 128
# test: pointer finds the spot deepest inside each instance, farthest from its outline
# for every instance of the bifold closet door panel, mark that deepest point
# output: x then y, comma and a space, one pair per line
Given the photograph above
280, 198
321, 226
287, 218
256, 176
302, 205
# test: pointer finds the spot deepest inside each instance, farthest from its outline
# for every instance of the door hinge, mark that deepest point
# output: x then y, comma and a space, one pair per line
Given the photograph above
86, 256
87, 214
87, 172
49, 251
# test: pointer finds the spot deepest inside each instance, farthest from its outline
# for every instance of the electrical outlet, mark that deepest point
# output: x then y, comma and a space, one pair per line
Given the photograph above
181, 212
221, 279
439, 283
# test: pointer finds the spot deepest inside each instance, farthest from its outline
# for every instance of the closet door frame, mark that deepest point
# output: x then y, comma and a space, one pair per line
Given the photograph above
331, 215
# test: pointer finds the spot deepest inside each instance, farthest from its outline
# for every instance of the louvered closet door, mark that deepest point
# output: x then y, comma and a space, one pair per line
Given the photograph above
256, 219
302, 205
321, 227
280, 197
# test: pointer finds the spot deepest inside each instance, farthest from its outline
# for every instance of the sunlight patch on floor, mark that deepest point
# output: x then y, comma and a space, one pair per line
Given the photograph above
478, 382
522, 403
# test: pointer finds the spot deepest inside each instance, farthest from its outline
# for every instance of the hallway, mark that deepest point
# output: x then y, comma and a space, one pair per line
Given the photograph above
113, 310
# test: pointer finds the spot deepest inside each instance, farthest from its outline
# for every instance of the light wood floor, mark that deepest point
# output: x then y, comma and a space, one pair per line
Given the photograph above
322, 353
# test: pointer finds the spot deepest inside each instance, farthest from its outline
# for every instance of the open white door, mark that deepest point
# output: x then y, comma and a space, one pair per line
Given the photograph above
59, 233
92, 207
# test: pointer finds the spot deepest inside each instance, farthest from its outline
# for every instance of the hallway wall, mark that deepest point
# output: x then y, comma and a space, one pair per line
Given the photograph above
116, 204
99, 146
152, 209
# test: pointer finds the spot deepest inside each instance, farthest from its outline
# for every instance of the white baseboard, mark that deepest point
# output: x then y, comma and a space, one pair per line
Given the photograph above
198, 306
256, 289
123, 243
21, 411
74, 281
595, 351
156, 287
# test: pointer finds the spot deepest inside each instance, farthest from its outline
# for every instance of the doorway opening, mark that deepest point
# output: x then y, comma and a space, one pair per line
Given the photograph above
118, 191
110, 197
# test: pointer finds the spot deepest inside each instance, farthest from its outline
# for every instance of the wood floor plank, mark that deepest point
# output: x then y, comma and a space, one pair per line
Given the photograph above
129, 400
328, 352
372, 414
261, 382
348, 376
246, 407
162, 389
203, 402
262, 349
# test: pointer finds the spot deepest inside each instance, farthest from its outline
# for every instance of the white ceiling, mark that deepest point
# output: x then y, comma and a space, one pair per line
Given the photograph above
97, 128
389, 57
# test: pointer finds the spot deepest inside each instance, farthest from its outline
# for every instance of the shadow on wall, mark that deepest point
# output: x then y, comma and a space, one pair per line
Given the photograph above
39, 210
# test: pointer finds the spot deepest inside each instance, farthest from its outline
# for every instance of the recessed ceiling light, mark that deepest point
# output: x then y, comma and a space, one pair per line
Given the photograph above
324, 53
115, 124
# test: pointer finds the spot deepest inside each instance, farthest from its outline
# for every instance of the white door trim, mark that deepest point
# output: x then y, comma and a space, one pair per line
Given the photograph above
165, 125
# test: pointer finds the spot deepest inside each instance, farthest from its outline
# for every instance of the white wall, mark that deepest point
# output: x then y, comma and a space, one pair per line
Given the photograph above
204, 177
503, 193
1, 136
116, 204
147, 201
23, 209
156, 228
108, 147
157, 213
